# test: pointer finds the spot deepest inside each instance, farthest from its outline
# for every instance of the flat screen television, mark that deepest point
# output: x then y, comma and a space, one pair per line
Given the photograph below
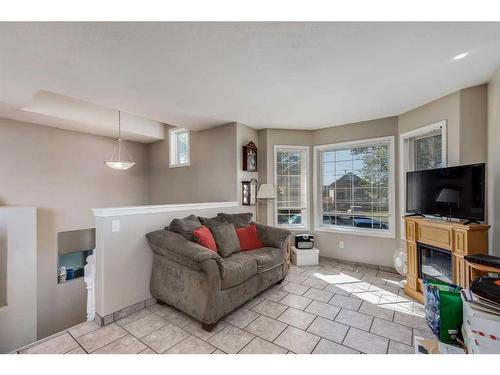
458, 192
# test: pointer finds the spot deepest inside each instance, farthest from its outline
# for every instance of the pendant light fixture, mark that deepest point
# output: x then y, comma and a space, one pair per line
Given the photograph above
116, 161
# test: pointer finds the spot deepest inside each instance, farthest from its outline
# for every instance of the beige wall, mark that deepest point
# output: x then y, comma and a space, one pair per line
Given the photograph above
473, 124
209, 178
494, 162
62, 174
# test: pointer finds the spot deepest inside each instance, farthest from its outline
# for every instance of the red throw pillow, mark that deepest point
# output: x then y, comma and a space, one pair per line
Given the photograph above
249, 240
205, 238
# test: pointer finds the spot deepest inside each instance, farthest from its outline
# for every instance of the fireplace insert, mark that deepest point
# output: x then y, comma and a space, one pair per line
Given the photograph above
434, 263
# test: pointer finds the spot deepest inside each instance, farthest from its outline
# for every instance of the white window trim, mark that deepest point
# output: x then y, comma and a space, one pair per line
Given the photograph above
388, 233
404, 162
306, 225
173, 151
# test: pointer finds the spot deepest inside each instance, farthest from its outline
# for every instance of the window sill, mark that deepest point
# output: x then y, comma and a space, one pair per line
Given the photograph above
357, 232
179, 165
294, 227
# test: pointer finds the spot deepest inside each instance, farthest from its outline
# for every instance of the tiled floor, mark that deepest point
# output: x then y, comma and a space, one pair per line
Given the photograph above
330, 308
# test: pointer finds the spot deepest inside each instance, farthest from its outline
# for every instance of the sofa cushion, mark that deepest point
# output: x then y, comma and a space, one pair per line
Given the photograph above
236, 269
266, 258
185, 227
239, 220
249, 240
226, 239
204, 237
211, 222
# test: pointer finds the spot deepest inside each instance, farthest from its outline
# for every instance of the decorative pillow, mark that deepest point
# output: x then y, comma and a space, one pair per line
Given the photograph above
185, 227
248, 238
239, 220
211, 222
204, 237
226, 239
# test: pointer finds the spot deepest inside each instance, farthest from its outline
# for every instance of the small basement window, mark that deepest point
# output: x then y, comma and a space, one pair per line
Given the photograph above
179, 147
74, 247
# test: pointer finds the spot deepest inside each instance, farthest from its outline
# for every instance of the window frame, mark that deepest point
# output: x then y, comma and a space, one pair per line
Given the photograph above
404, 160
173, 134
305, 150
386, 233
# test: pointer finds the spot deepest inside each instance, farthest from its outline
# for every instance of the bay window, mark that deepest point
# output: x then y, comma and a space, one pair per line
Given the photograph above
355, 186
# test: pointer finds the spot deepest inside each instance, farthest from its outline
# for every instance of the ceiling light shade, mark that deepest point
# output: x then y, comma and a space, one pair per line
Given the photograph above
461, 56
116, 161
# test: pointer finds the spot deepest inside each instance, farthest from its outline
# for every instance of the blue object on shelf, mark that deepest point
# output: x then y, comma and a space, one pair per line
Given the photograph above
70, 274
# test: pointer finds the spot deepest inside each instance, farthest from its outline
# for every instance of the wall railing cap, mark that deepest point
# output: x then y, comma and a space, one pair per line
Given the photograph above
156, 209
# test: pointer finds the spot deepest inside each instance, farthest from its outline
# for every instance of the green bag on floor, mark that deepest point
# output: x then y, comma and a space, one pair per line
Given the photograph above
443, 309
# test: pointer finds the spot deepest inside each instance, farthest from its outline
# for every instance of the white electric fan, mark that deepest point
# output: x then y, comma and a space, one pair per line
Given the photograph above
401, 264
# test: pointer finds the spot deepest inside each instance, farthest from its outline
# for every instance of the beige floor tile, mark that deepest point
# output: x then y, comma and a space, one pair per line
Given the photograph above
100, 337
253, 302
378, 311
241, 317
297, 341
329, 330
261, 346
298, 302
392, 331
191, 345
270, 308
83, 328
295, 278
144, 326
346, 302
58, 345
218, 351
124, 345
294, 269
315, 282
398, 348
411, 321
323, 309
148, 351
342, 289
231, 339
329, 347
158, 309
164, 338
365, 342
78, 350
133, 317
274, 294
297, 318
195, 329
318, 295
266, 328
295, 288
354, 319
177, 317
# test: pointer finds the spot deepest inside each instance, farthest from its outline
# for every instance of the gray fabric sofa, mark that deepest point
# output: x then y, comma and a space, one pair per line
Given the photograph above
206, 286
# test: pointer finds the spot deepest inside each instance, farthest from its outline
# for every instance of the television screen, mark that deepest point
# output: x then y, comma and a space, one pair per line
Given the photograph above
456, 190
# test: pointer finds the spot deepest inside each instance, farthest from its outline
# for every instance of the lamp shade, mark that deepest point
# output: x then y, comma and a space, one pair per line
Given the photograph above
266, 191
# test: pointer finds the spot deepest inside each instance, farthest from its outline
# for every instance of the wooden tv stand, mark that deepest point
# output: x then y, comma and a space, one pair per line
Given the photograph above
452, 236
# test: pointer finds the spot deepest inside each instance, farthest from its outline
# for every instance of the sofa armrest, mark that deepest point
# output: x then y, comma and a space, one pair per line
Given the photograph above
167, 243
272, 236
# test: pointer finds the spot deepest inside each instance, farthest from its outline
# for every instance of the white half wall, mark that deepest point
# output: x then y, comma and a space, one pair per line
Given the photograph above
18, 243
124, 258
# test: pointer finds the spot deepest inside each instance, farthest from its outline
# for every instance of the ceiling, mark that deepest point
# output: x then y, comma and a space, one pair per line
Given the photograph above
266, 75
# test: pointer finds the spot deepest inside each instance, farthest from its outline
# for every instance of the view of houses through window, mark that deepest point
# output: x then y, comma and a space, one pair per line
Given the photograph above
354, 183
